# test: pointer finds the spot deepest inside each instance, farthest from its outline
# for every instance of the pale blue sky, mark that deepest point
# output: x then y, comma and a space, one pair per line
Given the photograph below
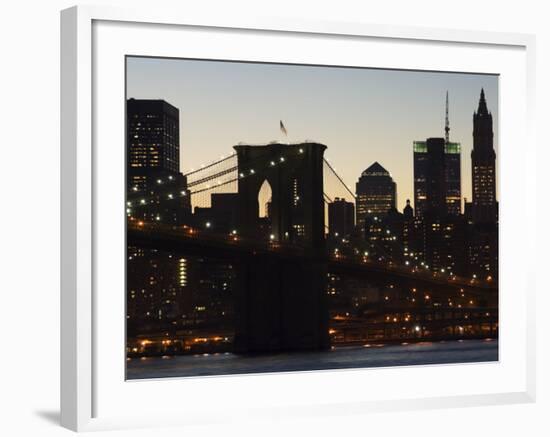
362, 115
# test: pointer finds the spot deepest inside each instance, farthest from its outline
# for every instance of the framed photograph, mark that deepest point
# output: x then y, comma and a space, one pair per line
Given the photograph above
268, 218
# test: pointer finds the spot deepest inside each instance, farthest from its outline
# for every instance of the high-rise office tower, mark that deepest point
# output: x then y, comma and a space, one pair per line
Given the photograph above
156, 281
376, 193
452, 173
153, 138
153, 179
438, 227
453, 196
484, 203
434, 172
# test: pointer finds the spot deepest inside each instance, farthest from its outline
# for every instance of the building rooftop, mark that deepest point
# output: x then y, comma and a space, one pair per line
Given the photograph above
376, 170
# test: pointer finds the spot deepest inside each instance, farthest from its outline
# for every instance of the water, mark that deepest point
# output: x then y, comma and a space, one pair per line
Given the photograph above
465, 351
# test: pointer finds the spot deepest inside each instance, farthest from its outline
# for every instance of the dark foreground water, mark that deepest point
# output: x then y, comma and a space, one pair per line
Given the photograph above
465, 351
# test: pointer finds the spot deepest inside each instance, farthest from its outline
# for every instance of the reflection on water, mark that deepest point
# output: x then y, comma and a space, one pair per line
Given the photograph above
369, 355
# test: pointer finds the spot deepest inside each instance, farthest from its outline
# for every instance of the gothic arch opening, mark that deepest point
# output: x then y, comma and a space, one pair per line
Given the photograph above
264, 199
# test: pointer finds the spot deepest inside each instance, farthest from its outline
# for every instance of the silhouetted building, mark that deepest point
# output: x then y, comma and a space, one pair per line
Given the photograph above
376, 193
429, 177
445, 248
453, 195
384, 237
155, 283
341, 217
211, 283
438, 233
153, 138
452, 172
482, 212
157, 191
447, 157
408, 211
411, 235
483, 250
484, 203
220, 217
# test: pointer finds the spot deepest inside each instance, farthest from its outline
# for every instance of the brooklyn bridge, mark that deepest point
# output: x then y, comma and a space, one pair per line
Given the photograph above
286, 262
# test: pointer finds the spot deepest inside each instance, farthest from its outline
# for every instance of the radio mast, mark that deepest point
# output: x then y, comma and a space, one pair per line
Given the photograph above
447, 128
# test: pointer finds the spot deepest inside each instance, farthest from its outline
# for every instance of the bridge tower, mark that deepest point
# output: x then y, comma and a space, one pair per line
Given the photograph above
281, 303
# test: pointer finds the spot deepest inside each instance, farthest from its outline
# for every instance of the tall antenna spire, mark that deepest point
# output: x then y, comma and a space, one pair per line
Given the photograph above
447, 128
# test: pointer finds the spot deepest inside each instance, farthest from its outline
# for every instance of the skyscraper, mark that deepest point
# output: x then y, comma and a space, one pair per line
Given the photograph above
452, 174
153, 138
483, 210
157, 281
153, 178
430, 186
376, 193
453, 196
440, 230
484, 203
452, 184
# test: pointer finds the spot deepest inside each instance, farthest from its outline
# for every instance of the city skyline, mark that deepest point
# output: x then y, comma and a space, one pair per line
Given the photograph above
375, 102
256, 251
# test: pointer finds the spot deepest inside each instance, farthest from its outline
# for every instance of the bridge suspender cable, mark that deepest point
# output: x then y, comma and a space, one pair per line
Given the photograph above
210, 165
339, 178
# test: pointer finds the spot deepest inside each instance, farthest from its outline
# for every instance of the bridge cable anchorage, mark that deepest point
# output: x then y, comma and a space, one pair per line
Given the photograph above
339, 179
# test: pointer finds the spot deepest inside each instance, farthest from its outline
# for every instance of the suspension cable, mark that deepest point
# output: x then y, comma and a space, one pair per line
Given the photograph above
339, 178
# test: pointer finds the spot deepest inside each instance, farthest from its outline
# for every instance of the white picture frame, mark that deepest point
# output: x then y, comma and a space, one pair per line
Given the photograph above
89, 398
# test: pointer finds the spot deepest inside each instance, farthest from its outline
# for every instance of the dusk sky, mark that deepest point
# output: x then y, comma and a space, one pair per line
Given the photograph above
361, 115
